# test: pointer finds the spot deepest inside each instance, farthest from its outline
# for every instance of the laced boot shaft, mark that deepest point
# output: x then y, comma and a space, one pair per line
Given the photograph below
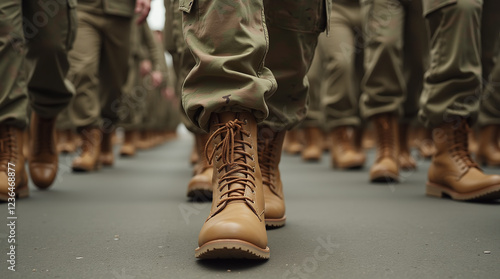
106, 156
11, 144
235, 227
453, 172
43, 159
270, 144
406, 160
386, 167
91, 150
344, 153
314, 144
488, 152
200, 185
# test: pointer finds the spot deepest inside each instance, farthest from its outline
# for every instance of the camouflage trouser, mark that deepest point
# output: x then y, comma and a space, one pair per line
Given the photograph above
236, 46
39, 33
396, 54
463, 38
339, 68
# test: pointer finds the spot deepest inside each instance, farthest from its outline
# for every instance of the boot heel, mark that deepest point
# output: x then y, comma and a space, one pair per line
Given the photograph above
433, 191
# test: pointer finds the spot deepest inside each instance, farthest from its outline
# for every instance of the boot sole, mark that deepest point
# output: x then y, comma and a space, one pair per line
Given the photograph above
490, 193
384, 177
275, 223
200, 194
231, 249
82, 169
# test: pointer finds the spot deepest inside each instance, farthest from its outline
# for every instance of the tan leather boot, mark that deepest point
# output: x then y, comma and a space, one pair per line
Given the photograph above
425, 145
107, 157
406, 160
200, 185
91, 150
452, 171
270, 144
12, 164
65, 141
343, 152
488, 152
142, 141
235, 227
293, 144
314, 144
129, 142
26, 143
385, 168
44, 158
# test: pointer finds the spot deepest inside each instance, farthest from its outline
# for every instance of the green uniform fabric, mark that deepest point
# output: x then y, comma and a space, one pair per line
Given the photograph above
135, 90
396, 56
340, 59
34, 56
460, 32
99, 68
236, 49
123, 8
315, 76
489, 113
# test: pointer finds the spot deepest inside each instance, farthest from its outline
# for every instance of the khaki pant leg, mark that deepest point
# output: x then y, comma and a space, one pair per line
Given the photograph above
489, 112
341, 53
53, 24
452, 84
293, 28
416, 58
13, 96
113, 67
84, 60
314, 117
229, 42
384, 84
131, 106
63, 121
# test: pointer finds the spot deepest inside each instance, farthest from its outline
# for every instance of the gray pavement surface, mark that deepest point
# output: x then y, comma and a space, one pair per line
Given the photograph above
134, 221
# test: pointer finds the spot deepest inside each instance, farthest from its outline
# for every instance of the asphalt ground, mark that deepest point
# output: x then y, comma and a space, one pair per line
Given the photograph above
135, 221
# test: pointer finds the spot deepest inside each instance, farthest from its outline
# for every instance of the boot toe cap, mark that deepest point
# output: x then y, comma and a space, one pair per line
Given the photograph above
43, 175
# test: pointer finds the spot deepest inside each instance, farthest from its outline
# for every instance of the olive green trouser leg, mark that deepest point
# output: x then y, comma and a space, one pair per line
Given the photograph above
452, 84
229, 44
314, 117
100, 53
48, 34
342, 56
489, 112
131, 109
293, 27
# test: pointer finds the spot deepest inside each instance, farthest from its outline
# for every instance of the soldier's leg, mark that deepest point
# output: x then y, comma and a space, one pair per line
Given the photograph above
383, 85
314, 120
340, 54
13, 98
450, 102
489, 113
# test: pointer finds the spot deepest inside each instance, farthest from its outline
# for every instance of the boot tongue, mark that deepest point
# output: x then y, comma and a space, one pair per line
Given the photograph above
239, 160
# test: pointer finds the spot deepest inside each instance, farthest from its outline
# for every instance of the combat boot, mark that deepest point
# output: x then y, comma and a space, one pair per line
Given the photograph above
91, 150
13, 175
194, 157
66, 141
406, 160
385, 168
488, 152
43, 160
343, 152
314, 144
452, 171
129, 143
293, 144
270, 144
200, 185
235, 227
107, 157
425, 145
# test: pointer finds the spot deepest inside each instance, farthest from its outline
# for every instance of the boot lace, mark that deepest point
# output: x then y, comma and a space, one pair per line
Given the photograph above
385, 140
41, 140
7, 146
459, 146
266, 162
233, 156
